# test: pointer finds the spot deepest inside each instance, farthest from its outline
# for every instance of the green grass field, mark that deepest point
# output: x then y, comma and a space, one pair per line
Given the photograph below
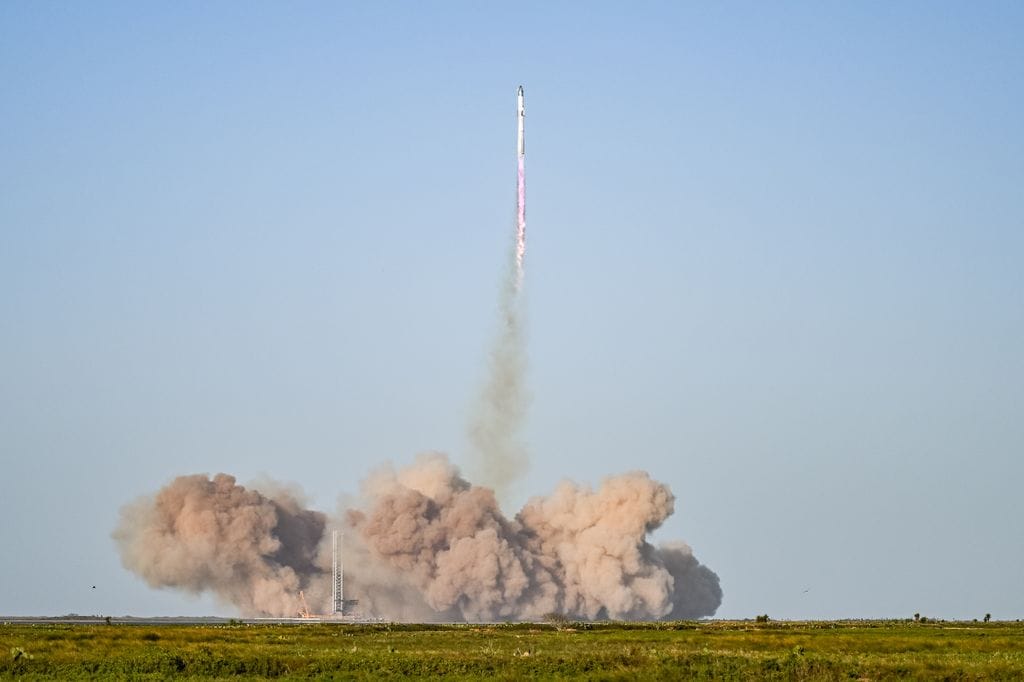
855, 650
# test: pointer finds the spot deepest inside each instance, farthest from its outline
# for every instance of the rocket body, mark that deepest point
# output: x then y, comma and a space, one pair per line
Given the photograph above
520, 121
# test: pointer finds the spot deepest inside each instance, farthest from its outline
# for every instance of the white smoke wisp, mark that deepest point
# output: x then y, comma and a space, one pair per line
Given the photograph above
423, 544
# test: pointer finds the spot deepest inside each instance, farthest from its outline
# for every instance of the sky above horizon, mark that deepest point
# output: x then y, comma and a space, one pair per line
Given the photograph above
774, 259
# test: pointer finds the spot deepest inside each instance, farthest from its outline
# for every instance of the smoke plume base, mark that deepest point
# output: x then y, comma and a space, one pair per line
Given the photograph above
423, 544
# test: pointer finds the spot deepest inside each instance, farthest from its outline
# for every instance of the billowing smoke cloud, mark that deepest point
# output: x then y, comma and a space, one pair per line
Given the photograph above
424, 544
199, 534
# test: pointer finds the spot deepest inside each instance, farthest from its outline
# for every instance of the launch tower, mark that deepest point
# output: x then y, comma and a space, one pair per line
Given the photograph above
340, 604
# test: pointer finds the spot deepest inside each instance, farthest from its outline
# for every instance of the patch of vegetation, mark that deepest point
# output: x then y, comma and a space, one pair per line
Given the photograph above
877, 650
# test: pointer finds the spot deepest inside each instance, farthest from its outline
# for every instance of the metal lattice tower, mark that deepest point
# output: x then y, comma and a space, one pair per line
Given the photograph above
339, 577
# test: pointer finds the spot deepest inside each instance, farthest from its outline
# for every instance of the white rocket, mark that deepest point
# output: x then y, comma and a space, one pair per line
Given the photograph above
520, 120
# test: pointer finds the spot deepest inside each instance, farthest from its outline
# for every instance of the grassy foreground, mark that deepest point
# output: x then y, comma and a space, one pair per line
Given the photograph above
855, 650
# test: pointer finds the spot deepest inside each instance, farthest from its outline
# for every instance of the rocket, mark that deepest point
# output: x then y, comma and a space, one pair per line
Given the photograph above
520, 188
520, 120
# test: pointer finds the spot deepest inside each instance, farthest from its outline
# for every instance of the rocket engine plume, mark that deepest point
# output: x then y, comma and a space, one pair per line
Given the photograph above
426, 545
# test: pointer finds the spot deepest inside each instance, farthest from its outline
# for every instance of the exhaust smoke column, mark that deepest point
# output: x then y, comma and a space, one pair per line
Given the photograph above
499, 456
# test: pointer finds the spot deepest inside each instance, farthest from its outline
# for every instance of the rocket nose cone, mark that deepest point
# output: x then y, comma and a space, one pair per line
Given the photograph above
520, 92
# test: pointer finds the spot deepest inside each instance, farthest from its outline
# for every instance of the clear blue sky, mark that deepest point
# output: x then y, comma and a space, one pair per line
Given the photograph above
775, 259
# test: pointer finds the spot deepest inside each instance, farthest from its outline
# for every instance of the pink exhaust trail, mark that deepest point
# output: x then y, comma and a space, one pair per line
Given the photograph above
520, 222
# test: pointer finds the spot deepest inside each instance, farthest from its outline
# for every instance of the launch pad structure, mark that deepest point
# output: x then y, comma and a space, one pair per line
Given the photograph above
339, 605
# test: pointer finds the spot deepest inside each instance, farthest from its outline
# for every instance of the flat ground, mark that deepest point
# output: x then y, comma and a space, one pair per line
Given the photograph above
848, 650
